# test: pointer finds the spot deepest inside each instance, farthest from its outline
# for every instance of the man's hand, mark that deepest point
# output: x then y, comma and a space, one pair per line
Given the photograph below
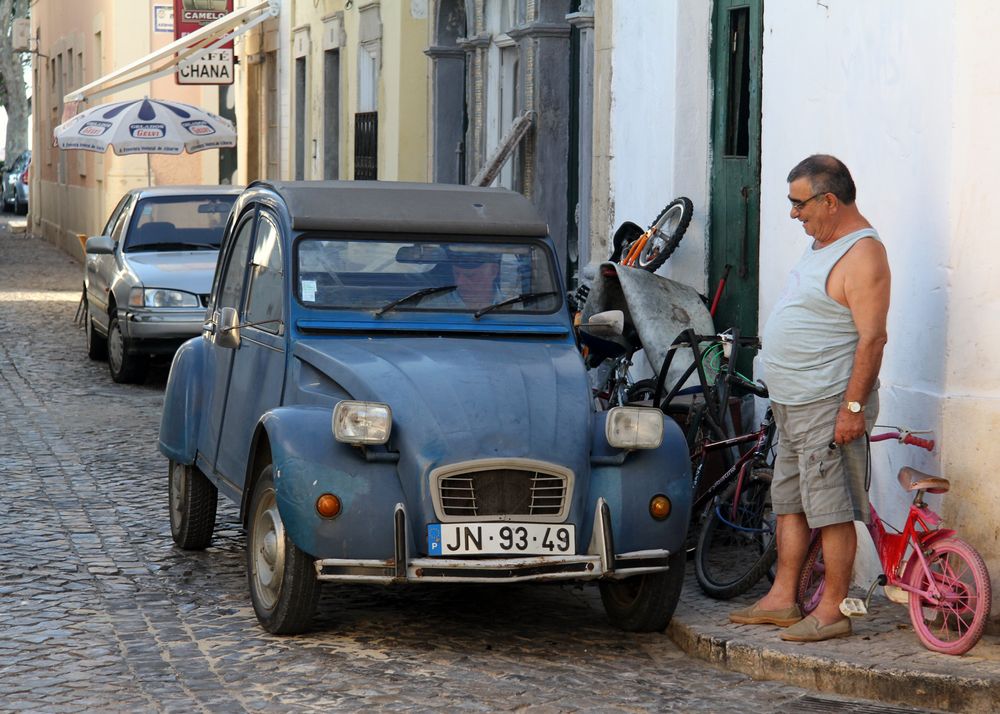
849, 426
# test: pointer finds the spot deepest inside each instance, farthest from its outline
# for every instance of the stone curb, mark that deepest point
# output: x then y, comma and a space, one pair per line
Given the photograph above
861, 679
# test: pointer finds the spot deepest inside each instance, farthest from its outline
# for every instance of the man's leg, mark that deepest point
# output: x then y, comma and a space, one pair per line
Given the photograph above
793, 546
840, 541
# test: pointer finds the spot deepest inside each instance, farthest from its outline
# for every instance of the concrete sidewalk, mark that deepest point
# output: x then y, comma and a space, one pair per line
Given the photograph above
883, 661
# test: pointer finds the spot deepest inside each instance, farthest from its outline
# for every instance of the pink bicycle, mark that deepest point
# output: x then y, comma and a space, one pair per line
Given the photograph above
944, 580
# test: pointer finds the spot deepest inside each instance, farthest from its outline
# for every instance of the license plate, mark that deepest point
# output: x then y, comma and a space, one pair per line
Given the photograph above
500, 539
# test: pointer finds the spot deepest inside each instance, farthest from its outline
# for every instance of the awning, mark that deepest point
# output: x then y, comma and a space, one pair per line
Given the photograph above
179, 52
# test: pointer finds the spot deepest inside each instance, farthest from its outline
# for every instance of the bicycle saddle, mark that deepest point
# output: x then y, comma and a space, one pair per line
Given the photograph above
912, 480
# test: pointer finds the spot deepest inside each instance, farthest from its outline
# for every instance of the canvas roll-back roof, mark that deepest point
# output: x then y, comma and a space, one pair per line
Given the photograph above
391, 206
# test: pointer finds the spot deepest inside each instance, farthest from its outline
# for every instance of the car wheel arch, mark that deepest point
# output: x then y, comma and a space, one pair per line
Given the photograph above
260, 456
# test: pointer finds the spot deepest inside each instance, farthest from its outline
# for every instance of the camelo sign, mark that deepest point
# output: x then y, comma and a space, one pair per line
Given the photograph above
214, 66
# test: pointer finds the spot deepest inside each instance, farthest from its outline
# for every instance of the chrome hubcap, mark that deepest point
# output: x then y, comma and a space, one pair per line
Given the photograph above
268, 554
116, 348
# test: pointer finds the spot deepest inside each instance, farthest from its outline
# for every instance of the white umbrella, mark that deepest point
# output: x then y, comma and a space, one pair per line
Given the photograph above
145, 126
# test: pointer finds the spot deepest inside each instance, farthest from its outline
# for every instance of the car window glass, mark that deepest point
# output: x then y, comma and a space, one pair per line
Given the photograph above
368, 273
232, 279
115, 215
264, 293
119, 227
179, 223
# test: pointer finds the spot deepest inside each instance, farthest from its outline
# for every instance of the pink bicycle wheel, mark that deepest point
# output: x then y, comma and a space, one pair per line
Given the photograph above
953, 624
812, 580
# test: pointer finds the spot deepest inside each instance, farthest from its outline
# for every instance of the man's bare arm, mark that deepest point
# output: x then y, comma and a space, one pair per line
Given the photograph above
866, 291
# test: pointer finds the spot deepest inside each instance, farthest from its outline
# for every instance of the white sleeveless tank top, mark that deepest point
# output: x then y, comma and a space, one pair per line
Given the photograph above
809, 339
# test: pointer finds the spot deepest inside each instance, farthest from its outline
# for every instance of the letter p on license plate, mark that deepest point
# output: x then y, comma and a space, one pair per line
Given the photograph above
482, 538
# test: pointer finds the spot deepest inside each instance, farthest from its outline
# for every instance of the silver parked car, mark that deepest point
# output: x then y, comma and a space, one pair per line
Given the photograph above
148, 275
15, 184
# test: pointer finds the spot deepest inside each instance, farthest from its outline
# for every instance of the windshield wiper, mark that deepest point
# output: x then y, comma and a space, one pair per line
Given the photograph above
510, 301
169, 245
412, 296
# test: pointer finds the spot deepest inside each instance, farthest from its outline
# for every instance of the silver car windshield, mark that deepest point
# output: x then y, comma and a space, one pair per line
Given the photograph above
389, 275
165, 223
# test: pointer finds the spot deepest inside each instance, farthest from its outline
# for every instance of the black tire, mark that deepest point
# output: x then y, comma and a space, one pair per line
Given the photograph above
193, 503
645, 603
125, 367
666, 233
20, 209
97, 344
283, 585
733, 553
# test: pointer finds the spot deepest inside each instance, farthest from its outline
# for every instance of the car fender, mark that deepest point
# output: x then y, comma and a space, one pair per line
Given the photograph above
183, 405
308, 462
627, 487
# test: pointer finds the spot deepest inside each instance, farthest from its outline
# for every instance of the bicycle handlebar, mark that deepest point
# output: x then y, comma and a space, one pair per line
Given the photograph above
758, 389
904, 437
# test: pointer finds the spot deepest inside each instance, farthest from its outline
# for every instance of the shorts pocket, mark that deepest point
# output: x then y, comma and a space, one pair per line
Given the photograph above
825, 489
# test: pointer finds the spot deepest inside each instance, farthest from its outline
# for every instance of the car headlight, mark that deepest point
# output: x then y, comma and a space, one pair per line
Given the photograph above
634, 428
162, 297
360, 423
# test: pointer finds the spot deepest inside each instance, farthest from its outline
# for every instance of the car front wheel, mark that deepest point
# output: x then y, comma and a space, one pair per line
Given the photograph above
193, 503
283, 585
645, 603
126, 368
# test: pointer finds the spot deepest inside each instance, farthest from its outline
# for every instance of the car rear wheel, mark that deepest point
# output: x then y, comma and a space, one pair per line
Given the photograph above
645, 603
193, 503
126, 368
97, 344
283, 585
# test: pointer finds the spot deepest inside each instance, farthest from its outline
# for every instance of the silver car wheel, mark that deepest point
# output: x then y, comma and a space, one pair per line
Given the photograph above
116, 347
267, 546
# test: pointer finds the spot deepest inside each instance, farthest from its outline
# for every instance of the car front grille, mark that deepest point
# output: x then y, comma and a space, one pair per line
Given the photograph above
494, 492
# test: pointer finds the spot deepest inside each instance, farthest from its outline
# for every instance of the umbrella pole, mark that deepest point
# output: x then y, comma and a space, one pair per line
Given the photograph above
149, 173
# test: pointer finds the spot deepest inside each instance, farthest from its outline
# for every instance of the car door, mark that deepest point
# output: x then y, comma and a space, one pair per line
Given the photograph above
101, 269
226, 292
258, 370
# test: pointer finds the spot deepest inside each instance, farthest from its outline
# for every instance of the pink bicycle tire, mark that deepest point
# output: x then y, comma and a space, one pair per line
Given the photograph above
812, 579
954, 626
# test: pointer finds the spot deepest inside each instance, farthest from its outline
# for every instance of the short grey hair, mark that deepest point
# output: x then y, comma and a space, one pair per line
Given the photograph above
826, 174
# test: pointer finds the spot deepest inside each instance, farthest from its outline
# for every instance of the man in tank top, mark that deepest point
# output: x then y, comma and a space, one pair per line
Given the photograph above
822, 349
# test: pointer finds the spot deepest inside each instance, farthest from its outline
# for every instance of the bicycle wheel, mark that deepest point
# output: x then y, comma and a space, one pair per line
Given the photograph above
736, 545
954, 623
666, 233
812, 579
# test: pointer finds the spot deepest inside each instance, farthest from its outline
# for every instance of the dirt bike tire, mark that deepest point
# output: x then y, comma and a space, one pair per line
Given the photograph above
665, 234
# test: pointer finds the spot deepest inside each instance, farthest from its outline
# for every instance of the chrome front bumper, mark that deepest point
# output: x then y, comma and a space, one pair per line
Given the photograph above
600, 562
174, 324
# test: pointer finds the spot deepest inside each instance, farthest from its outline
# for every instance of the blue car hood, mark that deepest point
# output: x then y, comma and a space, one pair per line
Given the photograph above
467, 398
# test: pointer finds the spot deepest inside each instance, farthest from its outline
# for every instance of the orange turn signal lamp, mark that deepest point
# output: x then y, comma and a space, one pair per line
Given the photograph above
328, 505
659, 507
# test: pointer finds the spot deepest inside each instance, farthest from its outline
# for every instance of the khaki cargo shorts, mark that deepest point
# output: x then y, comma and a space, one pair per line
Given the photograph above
827, 485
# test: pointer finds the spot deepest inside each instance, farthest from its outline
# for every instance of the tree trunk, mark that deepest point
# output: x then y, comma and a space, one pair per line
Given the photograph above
15, 98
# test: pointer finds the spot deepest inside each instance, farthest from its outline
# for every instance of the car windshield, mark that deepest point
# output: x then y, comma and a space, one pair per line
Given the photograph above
433, 275
178, 223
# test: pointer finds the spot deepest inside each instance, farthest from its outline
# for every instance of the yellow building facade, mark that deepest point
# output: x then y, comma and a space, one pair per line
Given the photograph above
73, 192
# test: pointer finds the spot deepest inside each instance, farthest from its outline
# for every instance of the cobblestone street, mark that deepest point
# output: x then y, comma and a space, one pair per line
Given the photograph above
102, 613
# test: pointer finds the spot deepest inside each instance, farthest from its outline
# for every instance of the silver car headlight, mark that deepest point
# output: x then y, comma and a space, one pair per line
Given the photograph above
634, 428
162, 297
360, 423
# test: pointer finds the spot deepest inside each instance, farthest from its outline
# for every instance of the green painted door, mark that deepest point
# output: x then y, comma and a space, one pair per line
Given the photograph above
735, 201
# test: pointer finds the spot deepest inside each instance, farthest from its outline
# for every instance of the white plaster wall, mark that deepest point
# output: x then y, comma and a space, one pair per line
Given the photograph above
660, 101
904, 93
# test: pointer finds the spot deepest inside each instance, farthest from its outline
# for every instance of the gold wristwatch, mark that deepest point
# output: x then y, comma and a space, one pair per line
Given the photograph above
855, 407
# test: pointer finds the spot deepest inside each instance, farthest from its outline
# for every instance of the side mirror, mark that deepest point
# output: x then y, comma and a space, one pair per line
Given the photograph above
227, 331
99, 245
606, 325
